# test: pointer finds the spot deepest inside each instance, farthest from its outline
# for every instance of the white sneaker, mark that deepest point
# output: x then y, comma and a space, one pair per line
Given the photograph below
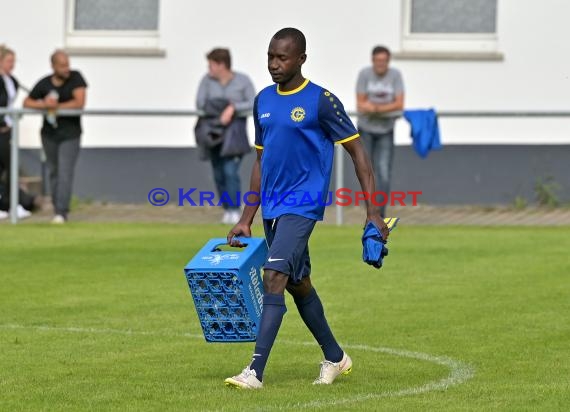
330, 370
235, 216
58, 220
4, 215
247, 379
226, 218
22, 213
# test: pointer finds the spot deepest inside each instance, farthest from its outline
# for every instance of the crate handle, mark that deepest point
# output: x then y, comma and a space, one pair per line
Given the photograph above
216, 248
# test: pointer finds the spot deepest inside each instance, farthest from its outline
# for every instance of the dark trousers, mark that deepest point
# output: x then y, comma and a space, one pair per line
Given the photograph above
61, 157
380, 148
226, 176
25, 199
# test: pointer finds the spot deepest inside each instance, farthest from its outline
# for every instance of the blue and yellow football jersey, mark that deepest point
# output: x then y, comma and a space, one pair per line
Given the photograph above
297, 131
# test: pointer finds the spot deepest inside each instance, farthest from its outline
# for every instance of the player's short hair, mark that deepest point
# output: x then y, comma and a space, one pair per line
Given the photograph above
295, 34
381, 49
220, 55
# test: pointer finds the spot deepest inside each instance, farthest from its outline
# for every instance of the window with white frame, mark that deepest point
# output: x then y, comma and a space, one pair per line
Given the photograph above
464, 26
112, 24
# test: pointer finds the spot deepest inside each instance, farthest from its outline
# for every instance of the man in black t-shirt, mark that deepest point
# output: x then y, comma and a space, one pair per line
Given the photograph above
64, 89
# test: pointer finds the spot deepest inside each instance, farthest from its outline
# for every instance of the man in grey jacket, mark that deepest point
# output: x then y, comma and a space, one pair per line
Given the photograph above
223, 83
379, 90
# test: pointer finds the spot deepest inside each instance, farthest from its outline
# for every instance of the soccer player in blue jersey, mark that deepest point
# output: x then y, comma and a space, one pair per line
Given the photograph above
297, 124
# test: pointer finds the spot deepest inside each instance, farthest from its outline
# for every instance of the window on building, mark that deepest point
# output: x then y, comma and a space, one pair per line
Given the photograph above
454, 26
113, 25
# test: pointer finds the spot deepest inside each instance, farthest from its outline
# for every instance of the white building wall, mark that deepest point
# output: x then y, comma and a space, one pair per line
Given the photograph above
534, 75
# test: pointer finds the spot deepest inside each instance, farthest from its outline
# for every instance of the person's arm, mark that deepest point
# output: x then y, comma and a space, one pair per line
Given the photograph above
202, 95
243, 227
37, 99
396, 105
243, 105
338, 126
246, 103
365, 175
78, 100
30, 103
364, 105
47, 102
228, 114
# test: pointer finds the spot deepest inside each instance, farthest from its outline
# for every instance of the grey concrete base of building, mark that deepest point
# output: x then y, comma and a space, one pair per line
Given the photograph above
456, 175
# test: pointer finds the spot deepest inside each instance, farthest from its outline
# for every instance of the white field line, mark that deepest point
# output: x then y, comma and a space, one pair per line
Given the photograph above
459, 372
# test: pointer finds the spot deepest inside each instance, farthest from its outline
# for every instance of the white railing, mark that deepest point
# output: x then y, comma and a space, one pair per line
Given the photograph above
16, 115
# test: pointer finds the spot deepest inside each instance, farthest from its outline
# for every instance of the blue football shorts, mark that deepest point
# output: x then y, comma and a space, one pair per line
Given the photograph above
288, 241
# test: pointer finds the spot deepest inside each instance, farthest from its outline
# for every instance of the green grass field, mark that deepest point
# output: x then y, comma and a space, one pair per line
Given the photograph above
99, 317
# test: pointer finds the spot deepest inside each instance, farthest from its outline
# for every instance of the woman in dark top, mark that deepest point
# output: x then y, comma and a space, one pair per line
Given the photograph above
8, 90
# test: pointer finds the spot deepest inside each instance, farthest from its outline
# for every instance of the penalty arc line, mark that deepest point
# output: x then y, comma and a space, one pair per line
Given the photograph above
459, 372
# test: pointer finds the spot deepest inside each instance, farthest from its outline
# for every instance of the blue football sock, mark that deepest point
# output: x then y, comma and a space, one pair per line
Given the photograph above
273, 310
313, 314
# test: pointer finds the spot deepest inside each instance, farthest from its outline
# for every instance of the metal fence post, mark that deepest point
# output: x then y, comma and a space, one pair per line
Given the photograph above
14, 168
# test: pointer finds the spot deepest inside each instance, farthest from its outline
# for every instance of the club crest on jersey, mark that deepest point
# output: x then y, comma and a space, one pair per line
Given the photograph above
297, 114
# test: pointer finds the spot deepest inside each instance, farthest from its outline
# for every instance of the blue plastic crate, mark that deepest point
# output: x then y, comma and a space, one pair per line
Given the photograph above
227, 289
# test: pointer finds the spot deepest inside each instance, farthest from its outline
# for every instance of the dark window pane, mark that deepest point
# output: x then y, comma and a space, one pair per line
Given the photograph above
116, 15
454, 16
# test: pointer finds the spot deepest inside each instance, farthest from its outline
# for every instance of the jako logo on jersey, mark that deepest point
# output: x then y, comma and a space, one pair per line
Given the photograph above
265, 115
297, 114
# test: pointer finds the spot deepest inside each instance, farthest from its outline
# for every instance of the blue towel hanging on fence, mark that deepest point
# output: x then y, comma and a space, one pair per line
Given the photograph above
424, 130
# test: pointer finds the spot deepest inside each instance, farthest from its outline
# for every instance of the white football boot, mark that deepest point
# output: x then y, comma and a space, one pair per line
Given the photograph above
330, 370
247, 379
